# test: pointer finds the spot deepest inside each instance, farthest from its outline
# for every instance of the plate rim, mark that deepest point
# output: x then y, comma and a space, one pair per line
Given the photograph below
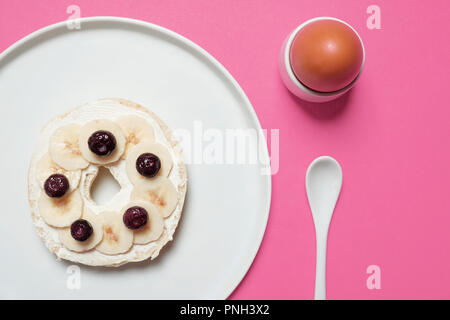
250, 256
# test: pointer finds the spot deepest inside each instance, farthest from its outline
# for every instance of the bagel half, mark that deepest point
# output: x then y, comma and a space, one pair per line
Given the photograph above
105, 109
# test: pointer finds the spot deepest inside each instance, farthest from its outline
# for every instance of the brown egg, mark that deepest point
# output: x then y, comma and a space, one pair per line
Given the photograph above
326, 55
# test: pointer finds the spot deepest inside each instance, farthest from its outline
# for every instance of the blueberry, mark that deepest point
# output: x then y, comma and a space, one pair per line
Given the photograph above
102, 143
148, 165
135, 217
81, 230
56, 185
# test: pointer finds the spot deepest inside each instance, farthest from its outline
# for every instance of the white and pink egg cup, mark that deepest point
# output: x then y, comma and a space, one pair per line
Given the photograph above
291, 81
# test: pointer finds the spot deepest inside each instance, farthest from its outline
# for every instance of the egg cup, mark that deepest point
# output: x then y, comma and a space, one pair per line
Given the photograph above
291, 81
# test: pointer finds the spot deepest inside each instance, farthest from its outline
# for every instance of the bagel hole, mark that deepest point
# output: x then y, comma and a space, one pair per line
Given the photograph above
104, 187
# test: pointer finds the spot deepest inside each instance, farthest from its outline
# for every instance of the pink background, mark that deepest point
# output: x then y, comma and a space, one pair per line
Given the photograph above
391, 135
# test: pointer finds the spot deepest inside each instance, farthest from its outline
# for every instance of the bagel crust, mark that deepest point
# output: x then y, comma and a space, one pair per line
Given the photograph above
109, 108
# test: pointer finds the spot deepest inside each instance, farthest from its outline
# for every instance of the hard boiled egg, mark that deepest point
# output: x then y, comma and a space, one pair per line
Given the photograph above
326, 55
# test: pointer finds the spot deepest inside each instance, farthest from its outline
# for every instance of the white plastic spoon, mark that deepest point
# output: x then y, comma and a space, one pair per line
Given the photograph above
323, 185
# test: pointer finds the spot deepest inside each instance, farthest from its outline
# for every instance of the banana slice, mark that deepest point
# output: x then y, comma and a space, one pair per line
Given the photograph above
46, 167
148, 147
64, 149
89, 128
155, 223
161, 192
61, 212
81, 246
136, 130
117, 238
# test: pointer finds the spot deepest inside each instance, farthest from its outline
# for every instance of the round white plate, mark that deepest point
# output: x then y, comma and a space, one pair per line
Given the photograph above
227, 205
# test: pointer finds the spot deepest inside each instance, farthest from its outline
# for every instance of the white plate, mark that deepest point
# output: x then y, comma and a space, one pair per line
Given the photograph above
55, 69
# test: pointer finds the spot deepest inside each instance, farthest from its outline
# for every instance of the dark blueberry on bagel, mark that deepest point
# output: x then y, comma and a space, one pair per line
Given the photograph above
81, 230
135, 217
148, 165
56, 185
102, 143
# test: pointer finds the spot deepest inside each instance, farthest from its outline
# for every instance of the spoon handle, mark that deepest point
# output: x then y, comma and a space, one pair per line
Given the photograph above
321, 256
